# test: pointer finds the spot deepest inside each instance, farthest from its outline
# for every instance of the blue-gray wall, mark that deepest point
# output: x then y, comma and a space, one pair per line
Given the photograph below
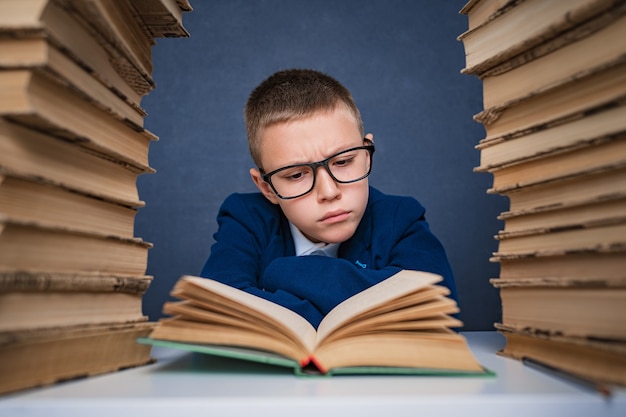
402, 62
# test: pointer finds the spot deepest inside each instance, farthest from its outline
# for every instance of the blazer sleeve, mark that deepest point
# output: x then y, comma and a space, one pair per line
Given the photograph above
322, 280
415, 247
236, 259
393, 236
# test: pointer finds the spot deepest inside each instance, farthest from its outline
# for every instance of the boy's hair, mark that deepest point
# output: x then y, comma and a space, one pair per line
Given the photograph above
290, 95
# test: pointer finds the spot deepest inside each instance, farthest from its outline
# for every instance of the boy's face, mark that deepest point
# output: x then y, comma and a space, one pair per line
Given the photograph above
331, 212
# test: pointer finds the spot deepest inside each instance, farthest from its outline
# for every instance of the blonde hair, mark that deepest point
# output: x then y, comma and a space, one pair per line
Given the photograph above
290, 95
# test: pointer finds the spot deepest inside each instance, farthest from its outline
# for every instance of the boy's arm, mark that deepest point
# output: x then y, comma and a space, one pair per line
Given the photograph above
236, 256
405, 243
322, 280
312, 285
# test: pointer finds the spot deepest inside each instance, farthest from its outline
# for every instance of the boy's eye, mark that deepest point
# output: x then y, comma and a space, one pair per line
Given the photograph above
344, 161
295, 174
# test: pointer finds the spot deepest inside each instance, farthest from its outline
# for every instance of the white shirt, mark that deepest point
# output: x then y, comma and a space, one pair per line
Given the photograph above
304, 246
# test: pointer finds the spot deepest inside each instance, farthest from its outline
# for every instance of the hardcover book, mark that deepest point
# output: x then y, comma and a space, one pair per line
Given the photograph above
399, 326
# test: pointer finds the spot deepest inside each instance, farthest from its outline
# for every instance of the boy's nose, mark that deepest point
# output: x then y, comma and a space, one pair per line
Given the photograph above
325, 186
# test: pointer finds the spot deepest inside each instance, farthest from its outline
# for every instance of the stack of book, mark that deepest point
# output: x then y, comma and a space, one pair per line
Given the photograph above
554, 91
72, 144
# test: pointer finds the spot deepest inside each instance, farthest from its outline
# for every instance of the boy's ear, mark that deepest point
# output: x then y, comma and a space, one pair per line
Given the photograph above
370, 136
264, 187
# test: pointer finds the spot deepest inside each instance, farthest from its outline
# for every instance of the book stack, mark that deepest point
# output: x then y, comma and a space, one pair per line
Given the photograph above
554, 91
72, 144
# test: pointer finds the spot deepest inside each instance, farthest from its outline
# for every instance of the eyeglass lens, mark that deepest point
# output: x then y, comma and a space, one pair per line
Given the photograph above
348, 166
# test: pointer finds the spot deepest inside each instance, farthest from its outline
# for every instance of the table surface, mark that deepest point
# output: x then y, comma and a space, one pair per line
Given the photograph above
188, 384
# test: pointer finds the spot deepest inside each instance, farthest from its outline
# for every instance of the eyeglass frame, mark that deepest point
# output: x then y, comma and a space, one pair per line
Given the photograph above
315, 165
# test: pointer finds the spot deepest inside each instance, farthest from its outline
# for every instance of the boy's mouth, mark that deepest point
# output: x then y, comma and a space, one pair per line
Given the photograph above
335, 216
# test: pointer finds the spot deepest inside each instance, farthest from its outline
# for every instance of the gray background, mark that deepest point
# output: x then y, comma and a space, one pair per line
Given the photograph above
402, 63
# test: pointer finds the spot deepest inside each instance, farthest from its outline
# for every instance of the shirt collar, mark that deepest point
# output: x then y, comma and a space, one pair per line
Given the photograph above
304, 246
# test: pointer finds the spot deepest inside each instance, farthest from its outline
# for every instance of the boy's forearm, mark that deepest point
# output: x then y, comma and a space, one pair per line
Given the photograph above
324, 281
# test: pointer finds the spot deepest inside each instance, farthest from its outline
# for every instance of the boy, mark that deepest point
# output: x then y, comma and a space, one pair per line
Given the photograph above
305, 135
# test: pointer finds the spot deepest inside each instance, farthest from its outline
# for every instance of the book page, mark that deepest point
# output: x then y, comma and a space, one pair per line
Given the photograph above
433, 349
382, 327
423, 295
293, 324
234, 322
218, 336
396, 286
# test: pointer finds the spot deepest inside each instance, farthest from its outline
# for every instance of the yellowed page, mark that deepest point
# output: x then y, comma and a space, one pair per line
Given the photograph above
423, 295
186, 310
298, 327
383, 328
396, 286
179, 330
404, 319
435, 349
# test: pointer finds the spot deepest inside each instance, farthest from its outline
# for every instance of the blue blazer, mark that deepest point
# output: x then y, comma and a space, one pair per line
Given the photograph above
254, 251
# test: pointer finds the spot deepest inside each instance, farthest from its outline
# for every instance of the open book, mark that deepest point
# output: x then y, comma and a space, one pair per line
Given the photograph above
401, 325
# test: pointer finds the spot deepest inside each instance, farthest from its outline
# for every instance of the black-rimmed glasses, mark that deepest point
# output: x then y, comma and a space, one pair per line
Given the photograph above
347, 166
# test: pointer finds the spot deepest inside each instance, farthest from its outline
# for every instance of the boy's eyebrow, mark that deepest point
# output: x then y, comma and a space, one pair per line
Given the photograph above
335, 150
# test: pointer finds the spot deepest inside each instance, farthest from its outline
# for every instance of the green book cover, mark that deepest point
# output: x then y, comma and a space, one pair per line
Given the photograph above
270, 358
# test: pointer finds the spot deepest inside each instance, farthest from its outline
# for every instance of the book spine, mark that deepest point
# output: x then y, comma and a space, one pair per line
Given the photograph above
33, 281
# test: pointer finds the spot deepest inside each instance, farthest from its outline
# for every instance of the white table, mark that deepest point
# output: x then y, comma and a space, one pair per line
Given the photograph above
182, 384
